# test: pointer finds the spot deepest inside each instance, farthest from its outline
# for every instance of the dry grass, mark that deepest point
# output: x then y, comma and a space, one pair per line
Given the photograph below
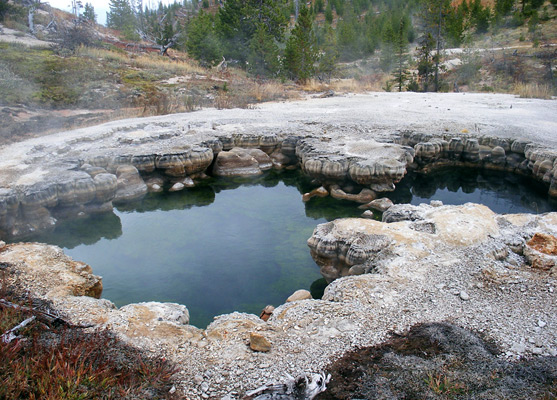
142, 61
347, 85
67, 363
267, 91
533, 91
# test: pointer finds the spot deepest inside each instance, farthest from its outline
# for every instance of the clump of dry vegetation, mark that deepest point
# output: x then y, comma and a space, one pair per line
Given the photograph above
60, 361
533, 91
439, 361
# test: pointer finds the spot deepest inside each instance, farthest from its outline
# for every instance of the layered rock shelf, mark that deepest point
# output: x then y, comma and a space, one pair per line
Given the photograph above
78, 173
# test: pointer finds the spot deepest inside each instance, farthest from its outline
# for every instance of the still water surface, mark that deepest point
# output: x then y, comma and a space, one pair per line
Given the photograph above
240, 244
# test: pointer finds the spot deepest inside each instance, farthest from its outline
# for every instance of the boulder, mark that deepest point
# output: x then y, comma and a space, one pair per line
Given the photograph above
129, 183
236, 162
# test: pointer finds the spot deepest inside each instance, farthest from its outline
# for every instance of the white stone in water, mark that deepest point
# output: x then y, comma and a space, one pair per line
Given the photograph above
177, 187
155, 187
436, 203
464, 296
188, 182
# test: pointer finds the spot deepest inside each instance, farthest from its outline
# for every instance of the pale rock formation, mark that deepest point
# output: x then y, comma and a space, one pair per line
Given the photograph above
298, 295
130, 185
241, 162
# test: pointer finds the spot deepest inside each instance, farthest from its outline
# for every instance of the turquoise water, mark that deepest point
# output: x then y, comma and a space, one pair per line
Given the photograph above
240, 244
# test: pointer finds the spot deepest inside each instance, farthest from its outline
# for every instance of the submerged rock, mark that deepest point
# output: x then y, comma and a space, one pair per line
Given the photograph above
318, 192
381, 205
365, 195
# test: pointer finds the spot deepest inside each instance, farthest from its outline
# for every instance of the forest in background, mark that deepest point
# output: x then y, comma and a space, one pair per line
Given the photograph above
193, 54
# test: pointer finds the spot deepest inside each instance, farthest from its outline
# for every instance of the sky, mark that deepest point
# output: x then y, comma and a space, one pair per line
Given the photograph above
100, 6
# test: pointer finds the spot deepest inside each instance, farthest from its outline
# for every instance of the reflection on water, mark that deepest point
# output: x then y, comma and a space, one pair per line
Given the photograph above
503, 193
241, 249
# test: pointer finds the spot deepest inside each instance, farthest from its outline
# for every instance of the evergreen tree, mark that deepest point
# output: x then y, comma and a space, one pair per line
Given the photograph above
202, 43
434, 13
238, 20
401, 46
300, 54
329, 13
122, 17
264, 58
329, 55
89, 13
386, 60
426, 62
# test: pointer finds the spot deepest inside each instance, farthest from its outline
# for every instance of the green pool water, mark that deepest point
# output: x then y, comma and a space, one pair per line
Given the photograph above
240, 244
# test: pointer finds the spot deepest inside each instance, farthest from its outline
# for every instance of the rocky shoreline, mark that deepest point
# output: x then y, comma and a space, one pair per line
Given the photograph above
78, 173
466, 265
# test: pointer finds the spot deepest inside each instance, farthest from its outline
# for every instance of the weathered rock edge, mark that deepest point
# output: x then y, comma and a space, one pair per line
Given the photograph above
43, 188
461, 264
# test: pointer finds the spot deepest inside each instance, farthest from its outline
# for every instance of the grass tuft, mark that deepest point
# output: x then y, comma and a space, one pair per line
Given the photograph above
533, 91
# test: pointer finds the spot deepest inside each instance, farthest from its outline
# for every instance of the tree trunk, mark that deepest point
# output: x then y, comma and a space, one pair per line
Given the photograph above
30, 17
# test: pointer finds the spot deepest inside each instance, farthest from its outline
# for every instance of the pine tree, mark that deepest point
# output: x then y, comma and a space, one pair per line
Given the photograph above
329, 56
263, 59
300, 54
89, 13
401, 46
238, 20
122, 17
387, 47
202, 43
434, 14
426, 62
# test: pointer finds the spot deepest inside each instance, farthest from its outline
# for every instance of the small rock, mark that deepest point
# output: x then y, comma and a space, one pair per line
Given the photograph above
537, 350
188, 182
541, 323
301, 294
198, 379
367, 214
518, 348
266, 313
2, 244
177, 187
382, 204
172, 390
204, 387
464, 296
258, 342
436, 203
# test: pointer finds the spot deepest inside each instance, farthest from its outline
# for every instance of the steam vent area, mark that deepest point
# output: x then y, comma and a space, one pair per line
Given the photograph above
464, 266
